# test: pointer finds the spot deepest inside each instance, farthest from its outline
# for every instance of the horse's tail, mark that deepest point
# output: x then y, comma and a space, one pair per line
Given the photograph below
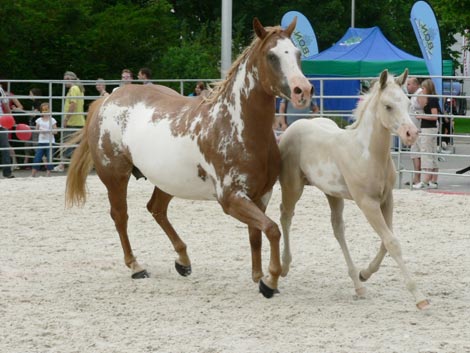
81, 163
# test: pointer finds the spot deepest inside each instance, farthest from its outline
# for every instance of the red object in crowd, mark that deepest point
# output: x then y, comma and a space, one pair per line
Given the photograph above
24, 135
7, 121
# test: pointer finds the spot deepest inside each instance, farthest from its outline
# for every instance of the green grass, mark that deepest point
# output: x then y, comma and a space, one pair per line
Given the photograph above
462, 126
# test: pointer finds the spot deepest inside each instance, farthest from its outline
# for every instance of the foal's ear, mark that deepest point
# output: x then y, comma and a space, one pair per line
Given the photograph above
291, 27
383, 79
259, 29
402, 78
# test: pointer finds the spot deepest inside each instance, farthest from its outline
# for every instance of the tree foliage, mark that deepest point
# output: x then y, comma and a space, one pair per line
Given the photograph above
40, 39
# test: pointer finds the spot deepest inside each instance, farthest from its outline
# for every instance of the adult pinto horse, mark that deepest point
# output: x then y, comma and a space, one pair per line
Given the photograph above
219, 147
352, 164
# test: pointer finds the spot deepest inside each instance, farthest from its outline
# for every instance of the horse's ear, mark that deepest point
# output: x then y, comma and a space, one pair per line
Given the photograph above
402, 78
290, 29
383, 79
259, 29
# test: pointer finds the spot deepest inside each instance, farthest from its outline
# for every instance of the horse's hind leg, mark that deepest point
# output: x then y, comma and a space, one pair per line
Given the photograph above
337, 222
117, 195
158, 207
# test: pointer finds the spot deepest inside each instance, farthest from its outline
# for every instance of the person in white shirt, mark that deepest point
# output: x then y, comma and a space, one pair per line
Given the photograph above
47, 127
414, 89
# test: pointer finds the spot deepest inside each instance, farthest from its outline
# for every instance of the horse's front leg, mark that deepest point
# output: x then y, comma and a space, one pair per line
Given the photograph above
387, 212
256, 242
255, 245
372, 211
337, 222
242, 208
158, 207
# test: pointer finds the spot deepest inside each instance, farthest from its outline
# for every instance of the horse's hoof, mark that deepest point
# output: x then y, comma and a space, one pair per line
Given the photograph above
361, 293
183, 270
266, 291
361, 278
141, 274
423, 304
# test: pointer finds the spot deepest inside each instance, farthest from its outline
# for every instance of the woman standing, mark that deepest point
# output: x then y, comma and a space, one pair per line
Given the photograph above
428, 144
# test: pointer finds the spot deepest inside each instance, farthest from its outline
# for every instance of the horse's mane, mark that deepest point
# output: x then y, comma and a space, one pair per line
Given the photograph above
221, 86
362, 106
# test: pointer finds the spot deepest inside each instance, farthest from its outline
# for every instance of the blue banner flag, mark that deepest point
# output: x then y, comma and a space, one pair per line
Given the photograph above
426, 30
303, 36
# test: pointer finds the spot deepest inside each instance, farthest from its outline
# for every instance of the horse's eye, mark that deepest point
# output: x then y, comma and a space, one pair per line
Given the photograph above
272, 57
388, 107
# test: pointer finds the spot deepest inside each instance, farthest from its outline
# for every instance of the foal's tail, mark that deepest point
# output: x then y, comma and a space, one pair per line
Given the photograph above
81, 163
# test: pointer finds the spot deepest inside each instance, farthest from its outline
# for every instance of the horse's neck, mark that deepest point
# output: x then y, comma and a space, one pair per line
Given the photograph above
372, 134
249, 106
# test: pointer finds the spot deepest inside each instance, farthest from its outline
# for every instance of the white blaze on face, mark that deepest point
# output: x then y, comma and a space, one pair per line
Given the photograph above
288, 56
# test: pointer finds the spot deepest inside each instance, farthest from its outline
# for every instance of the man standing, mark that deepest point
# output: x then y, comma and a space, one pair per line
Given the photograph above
145, 74
289, 114
74, 118
126, 78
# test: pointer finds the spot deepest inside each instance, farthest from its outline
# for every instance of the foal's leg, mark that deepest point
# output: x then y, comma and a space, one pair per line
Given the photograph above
337, 206
246, 211
372, 211
117, 195
158, 207
292, 187
387, 211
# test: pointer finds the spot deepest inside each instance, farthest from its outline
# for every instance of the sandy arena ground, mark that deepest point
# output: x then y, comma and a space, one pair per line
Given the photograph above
64, 287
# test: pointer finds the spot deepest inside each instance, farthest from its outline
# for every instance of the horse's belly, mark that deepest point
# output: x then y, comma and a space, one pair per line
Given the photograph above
326, 176
172, 163
180, 183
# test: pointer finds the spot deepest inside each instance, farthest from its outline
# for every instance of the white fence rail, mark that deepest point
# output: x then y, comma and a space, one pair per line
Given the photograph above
54, 91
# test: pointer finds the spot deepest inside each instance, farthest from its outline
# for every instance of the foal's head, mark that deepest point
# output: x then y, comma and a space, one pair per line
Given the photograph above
279, 65
393, 107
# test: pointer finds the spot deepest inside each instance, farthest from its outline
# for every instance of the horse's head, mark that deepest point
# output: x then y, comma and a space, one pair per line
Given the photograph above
280, 61
393, 107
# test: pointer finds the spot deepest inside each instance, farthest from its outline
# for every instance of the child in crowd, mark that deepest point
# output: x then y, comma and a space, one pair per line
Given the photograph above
45, 124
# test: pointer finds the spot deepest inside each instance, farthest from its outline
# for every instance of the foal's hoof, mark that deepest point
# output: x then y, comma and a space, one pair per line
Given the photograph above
141, 274
361, 278
266, 291
423, 304
183, 270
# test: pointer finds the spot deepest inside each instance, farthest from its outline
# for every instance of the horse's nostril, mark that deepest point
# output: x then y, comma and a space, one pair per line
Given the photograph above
311, 91
297, 90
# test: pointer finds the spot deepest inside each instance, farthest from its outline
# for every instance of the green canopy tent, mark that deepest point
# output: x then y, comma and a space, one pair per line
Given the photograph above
361, 53
365, 52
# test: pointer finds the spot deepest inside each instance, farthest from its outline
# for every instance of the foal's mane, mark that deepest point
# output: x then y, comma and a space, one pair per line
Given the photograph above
363, 105
221, 87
